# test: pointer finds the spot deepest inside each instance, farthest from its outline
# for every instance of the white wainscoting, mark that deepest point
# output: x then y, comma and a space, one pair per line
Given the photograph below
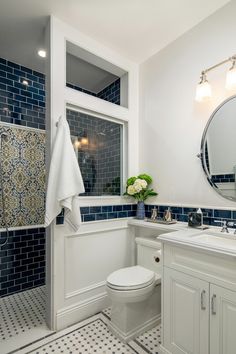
83, 262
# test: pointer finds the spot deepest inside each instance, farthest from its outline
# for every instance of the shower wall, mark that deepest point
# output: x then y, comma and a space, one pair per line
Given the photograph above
22, 103
111, 93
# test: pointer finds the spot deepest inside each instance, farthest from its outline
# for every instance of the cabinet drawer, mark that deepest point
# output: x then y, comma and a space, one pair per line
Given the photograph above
209, 266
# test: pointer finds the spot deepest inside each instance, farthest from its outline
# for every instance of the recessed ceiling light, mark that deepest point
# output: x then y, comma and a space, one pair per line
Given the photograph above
42, 53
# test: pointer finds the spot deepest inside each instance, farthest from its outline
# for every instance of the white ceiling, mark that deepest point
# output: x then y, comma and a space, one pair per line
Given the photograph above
135, 28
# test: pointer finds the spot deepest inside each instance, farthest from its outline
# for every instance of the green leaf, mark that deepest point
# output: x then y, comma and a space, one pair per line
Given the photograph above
146, 178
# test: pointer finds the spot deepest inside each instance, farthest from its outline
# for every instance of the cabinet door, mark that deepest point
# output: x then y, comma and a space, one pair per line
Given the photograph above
222, 321
185, 313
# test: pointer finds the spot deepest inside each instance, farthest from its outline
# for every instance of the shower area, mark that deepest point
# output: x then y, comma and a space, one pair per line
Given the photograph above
22, 200
98, 144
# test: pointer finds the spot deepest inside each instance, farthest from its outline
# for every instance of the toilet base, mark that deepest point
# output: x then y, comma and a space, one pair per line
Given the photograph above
128, 320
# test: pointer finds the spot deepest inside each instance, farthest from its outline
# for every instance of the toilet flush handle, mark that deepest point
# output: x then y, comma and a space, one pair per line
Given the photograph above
157, 256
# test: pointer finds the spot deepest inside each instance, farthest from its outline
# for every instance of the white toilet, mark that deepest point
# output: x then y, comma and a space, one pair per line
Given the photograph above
135, 292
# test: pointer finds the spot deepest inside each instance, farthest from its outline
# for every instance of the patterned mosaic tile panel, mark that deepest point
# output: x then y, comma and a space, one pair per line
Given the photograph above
23, 166
21, 312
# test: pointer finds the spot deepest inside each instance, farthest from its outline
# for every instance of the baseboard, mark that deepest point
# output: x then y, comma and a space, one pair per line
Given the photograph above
80, 311
125, 337
162, 350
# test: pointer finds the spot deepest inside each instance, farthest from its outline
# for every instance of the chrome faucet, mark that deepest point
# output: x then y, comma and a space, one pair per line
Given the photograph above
224, 225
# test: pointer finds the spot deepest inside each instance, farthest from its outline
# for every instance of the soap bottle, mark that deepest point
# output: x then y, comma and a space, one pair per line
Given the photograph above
167, 215
199, 211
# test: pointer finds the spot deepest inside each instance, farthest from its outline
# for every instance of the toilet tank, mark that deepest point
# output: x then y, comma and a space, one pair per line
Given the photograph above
149, 254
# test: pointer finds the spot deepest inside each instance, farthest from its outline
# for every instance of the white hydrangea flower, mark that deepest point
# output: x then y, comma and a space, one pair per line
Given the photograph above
131, 190
140, 184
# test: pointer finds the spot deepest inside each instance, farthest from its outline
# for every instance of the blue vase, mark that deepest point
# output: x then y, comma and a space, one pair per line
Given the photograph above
140, 211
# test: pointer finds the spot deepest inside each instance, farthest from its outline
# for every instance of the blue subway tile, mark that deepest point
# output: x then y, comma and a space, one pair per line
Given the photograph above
127, 207
101, 216
117, 207
89, 217
112, 215
84, 210
224, 214
107, 209
122, 214
95, 209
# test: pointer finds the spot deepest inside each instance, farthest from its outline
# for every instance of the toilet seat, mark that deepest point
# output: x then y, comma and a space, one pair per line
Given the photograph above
130, 278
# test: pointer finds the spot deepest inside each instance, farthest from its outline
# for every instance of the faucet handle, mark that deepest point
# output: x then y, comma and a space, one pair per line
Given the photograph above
224, 225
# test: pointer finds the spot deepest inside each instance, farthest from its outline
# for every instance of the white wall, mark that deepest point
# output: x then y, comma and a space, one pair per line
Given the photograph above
171, 122
79, 263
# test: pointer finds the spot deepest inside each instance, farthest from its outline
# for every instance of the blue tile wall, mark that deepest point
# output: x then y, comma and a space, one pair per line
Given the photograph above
93, 213
110, 93
230, 177
22, 261
19, 103
210, 216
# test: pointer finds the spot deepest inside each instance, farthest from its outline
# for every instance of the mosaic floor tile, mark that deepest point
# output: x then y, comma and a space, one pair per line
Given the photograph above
94, 337
21, 312
150, 340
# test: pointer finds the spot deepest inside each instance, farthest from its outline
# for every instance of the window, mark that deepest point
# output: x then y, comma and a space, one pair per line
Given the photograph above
95, 76
98, 143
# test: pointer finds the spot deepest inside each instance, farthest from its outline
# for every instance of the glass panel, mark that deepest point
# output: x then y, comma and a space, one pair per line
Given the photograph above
98, 146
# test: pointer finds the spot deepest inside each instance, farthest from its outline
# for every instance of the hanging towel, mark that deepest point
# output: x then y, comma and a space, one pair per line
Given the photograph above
65, 181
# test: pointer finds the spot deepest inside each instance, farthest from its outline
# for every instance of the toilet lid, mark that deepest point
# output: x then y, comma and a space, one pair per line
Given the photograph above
130, 278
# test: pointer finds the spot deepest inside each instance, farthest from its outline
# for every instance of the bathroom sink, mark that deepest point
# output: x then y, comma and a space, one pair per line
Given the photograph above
219, 241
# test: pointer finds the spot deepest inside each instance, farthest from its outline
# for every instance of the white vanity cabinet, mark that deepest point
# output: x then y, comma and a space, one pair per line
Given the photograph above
186, 313
198, 302
222, 321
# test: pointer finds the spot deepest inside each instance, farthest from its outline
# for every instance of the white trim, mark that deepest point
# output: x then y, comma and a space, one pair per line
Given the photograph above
85, 290
182, 205
162, 350
125, 337
11, 125
85, 233
80, 311
95, 114
15, 228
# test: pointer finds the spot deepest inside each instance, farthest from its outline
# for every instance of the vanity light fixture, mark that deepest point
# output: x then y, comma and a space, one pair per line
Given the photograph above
231, 76
203, 91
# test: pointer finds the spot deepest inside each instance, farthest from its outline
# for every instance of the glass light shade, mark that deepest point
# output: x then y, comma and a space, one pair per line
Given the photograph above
203, 91
230, 83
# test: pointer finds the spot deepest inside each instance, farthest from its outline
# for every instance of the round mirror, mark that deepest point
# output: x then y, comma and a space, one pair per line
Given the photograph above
218, 149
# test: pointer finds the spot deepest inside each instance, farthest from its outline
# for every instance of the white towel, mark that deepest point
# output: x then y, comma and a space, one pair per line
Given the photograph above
65, 181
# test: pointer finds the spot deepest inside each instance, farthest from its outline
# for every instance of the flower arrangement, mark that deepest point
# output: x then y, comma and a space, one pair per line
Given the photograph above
138, 187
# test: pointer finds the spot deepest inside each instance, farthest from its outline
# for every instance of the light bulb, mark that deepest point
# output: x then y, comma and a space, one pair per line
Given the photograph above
42, 53
77, 144
203, 91
230, 83
84, 141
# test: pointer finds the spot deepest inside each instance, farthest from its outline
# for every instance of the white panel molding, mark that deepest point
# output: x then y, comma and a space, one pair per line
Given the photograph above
92, 232
81, 310
85, 290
